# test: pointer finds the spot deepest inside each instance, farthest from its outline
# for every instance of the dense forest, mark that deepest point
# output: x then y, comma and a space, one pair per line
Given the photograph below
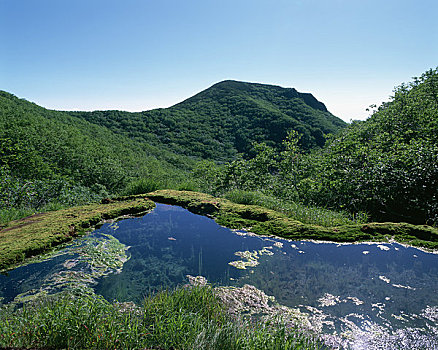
254, 140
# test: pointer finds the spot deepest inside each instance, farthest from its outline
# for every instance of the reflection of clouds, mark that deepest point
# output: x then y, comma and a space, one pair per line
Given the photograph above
384, 279
401, 286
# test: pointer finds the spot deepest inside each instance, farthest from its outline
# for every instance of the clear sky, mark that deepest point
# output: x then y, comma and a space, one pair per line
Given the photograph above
138, 54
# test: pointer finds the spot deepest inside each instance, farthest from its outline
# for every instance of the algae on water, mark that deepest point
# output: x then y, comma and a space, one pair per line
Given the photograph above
250, 259
89, 258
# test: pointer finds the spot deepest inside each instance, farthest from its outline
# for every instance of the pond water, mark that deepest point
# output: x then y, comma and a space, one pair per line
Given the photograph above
363, 296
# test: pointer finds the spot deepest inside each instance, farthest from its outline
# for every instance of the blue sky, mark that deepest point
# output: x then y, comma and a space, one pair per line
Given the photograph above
137, 55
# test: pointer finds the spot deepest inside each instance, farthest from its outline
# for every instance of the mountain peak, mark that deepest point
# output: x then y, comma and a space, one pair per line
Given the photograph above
256, 90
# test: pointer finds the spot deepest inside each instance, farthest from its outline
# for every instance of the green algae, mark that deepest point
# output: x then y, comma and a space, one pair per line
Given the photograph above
40, 233
249, 259
269, 222
90, 259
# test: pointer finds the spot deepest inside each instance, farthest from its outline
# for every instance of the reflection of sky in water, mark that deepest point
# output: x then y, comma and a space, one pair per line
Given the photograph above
351, 287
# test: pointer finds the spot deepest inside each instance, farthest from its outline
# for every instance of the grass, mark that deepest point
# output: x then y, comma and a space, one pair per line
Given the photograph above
11, 214
186, 318
297, 211
35, 234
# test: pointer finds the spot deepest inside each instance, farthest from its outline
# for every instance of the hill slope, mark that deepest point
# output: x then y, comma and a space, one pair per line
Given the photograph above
52, 147
226, 119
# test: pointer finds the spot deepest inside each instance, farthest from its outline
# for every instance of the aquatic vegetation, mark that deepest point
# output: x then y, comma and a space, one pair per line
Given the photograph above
251, 258
329, 300
91, 259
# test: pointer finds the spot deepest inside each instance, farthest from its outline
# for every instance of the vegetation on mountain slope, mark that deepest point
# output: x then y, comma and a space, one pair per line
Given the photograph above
49, 156
224, 120
384, 167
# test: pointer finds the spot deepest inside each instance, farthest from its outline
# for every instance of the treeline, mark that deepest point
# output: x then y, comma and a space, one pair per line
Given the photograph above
386, 166
223, 121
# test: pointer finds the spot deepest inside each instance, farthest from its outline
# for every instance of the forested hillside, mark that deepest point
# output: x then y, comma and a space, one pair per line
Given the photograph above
52, 156
388, 164
225, 119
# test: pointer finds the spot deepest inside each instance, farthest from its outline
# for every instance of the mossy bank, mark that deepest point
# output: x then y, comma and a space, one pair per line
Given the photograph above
39, 233
269, 222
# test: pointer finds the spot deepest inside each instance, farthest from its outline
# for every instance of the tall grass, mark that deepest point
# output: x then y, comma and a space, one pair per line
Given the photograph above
181, 319
146, 185
10, 214
297, 211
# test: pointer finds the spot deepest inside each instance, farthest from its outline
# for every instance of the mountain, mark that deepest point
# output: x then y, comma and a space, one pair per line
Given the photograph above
225, 119
72, 157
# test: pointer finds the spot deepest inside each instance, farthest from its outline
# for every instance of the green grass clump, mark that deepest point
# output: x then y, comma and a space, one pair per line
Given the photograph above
297, 211
186, 318
143, 185
10, 214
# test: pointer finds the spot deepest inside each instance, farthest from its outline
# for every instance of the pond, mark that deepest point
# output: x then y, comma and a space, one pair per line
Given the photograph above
358, 295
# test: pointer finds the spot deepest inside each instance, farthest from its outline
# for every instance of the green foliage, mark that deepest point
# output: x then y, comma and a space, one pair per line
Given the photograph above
274, 171
225, 120
297, 211
52, 157
10, 214
386, 165
143, 186
181, 319
245, 197
208, 175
